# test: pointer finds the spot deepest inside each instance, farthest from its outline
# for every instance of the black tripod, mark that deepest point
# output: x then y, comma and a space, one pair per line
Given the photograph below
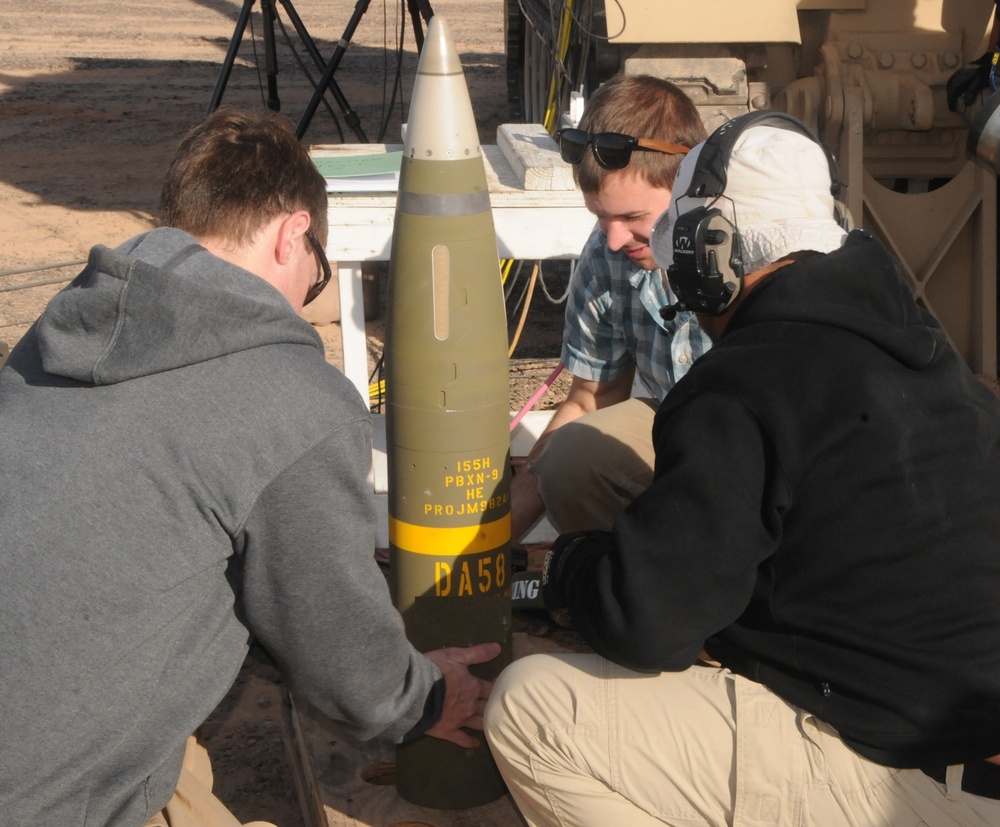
417, 9
270, 17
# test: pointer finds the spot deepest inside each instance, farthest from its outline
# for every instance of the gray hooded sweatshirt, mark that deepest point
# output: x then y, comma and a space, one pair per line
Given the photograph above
180, 469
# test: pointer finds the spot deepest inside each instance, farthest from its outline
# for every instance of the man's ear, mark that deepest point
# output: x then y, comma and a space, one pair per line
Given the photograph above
290, 232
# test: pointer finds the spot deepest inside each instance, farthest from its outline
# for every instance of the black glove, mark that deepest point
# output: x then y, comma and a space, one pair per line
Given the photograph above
555, 561
970, 80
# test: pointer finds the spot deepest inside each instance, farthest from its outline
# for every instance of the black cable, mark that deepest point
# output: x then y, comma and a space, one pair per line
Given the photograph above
41, 283
298, 60
35, 268
377, 371
397, 84
581, 75
385, 71
256, 62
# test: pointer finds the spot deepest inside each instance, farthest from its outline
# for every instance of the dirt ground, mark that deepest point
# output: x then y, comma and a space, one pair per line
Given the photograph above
94, 96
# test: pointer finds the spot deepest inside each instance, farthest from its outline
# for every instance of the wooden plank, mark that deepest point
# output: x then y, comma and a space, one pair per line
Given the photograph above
301, 762
534, 157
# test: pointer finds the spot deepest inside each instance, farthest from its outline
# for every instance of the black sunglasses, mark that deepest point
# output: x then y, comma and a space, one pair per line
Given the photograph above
324, 264
612, 150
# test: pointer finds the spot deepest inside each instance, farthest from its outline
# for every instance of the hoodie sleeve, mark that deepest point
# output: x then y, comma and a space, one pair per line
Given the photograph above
681, 561
317, 601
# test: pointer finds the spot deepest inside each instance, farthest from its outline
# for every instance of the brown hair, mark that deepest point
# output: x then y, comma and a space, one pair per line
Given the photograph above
644, 107
237, 171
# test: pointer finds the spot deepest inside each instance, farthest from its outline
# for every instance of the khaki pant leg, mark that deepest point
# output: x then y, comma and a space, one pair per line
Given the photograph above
593, 467
193, 804
848, 789
581, 741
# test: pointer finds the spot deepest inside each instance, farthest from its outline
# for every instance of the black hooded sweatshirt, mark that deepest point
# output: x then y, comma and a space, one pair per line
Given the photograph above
824, 518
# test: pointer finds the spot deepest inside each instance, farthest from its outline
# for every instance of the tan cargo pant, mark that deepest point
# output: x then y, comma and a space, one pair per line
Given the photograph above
193, 804
596, 465
581, 741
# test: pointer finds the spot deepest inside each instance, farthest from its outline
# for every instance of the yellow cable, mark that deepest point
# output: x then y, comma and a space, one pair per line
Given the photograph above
562, 48
524, 310
505, 266
551, 111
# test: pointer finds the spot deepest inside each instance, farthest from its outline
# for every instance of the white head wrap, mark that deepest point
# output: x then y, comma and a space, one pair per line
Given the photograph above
777, 195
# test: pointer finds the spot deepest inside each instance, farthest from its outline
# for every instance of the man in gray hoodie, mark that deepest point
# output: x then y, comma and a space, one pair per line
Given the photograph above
180, 470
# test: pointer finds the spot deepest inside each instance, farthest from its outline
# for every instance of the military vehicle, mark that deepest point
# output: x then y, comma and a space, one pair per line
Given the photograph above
869, 76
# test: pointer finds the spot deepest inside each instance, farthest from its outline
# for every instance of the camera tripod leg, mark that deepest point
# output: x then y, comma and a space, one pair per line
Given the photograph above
269, 14
419, 9
270, 54
349, 116
227, 63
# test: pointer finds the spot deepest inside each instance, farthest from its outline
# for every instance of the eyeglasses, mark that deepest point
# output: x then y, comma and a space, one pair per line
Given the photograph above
324, 264
612, 150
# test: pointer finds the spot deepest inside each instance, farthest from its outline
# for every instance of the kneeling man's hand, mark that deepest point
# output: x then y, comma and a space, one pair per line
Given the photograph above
465, 694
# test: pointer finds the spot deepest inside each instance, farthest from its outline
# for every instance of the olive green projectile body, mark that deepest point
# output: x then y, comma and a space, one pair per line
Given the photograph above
447, 412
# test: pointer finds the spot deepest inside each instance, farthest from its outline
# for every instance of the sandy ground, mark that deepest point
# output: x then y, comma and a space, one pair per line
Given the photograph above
94, 96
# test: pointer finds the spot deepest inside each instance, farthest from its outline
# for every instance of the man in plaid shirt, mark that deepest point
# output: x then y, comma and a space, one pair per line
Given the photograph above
596, 454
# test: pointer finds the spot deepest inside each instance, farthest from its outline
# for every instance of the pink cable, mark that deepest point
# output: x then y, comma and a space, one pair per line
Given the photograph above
537, 395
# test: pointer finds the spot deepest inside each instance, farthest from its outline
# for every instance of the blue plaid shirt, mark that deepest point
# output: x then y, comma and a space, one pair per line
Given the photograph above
613, 322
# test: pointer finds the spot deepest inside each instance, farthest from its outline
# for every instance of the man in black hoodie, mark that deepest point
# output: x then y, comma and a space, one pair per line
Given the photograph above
798, 622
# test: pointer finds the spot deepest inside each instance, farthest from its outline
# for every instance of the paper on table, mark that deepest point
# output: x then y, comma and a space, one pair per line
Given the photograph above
376, 172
